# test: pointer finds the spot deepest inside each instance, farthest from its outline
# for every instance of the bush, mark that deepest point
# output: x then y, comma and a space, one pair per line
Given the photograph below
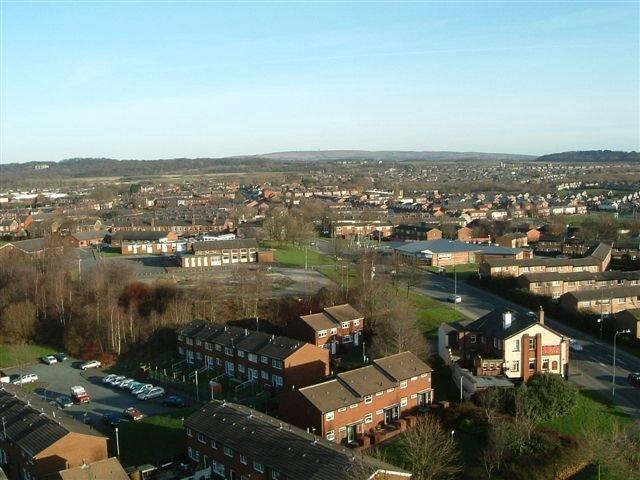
550, 396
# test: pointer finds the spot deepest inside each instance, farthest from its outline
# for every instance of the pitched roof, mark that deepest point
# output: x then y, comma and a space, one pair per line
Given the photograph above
454, 246
30, 423
344, 312
32, 245
491, 324
91, 235
607, 293
331, 317
581, 276
295, 453
402, 365
138, 236
319, 321
225, 244
107, 469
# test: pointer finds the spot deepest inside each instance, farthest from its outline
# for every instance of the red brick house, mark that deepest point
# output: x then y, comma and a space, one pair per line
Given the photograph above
336, 328
248, 356
235, 442
347, 407
86, 239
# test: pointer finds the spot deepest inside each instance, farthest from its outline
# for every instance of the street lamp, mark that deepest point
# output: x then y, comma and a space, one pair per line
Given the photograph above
615, 336
117, 444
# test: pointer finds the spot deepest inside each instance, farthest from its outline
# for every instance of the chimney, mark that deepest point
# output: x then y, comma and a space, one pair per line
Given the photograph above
506, 319
541, 315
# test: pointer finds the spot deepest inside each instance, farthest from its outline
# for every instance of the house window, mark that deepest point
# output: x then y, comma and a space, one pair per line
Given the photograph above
258, 467
322, 333
403, 384
346, 339
345, 325
532, 365
228, 351
495, 342
181, 350
275, 475
331, 435
241, 353
403, 402
333, 331
201, 438
368, 399
532, 344
243, 459
472, 338
218, 348
198, 343
329, 416
516, 345
515, 366
380, 393
214, 444
342, 409
276, 364
207, 346
356, 323
355, 405
241, 368
228, 452
368, 418
265, 374
264, 359
189, 432
253, 358
389, 390
193, 454
278, 381
545, 364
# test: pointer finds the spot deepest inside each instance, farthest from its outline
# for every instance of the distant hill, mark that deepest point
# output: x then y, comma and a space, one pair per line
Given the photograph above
391, 155
592, 156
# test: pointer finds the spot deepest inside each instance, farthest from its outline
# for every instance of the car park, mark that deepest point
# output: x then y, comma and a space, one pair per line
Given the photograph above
125, 383
133, 413
155, 392
575, 345
61, 357
64, 401
634, 378
134, 386
111, 419
143, 389
174, 401
26, 378
49, 360
108, 378
90, 364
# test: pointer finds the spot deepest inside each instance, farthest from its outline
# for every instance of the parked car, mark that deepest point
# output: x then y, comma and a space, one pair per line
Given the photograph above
79, 394
134, 386
575, 345
125, 383
133, 413
90, 364
61, 357
111, 419
49, 359
531, 314
64, 401
143, 389
116, 380
26, 378
108, 378
174, 401
155, 392
634, 378
454, 298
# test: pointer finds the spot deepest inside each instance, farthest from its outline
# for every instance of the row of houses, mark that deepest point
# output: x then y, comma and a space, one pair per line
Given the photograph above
442, 252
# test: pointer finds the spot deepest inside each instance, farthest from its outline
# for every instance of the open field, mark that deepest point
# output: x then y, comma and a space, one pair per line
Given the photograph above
431, 313
14, 355
293, 256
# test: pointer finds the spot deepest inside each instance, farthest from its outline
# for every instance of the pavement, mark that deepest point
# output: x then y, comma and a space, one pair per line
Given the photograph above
57, 379
591, 368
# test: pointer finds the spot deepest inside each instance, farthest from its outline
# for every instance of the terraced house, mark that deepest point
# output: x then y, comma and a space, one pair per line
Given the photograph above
237, 443
37, 441
555, 284
605, 301
248, 356
350, 406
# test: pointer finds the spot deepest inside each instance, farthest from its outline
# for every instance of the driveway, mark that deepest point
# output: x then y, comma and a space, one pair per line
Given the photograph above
56, 380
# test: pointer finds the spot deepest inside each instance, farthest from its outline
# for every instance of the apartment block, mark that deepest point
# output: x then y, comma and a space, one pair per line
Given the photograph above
248, 356
348, 407
235, 442
555, 284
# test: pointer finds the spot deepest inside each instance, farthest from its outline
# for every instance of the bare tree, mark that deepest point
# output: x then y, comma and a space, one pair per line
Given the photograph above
499, 437
614, 448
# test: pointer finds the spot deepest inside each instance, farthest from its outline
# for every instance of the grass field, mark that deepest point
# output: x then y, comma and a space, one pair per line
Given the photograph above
107, 252
12, 355
294, 256
431, 313
152, 439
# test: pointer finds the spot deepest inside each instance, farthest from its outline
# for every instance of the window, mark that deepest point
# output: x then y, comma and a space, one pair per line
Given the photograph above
193, 454
545, 364
532, 365
189, 432
275, 475
329, 416
264, 359
241, 368
243, 459
403, 384
189, 341
342, 409
258, 467
241, 353
218, 468
201, 438
333, 331
264, 374
380, 393
368, 399
276, 364
228, 351
403, 402
331, 435
228, 452
346, 339
218, 348
389, 390
472, 338
495, 342
368, 418
355, 405
181, 350
214, 444
516, 345
253, 358
3, 457
322, 333
356, 323
515, 366
345, 325
198, 343
532, 344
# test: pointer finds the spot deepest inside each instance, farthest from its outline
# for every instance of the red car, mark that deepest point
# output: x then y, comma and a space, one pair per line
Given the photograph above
133, 413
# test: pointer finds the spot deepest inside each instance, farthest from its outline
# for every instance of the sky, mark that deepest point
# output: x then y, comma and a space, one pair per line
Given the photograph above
146, 80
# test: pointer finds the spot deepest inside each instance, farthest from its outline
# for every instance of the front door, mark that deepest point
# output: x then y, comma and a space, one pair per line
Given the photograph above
356, 339
424, 399
391, 414
352, 433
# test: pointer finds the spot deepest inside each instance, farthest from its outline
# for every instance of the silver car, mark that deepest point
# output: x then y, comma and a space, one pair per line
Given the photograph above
155, 392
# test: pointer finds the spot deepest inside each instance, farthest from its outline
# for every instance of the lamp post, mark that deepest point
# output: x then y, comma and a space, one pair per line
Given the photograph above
615, 336
117, 444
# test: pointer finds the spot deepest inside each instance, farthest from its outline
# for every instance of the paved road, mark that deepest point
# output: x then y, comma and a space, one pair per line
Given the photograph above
591, 368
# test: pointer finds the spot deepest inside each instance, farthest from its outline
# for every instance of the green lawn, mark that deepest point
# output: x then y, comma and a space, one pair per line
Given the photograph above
152, 439
294, 256
431, 313
107, 252
12, 355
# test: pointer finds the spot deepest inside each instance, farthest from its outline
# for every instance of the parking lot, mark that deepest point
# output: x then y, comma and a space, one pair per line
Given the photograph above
57, 379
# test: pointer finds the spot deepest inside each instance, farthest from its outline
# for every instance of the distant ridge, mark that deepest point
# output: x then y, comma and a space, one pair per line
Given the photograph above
391, 155
592, 156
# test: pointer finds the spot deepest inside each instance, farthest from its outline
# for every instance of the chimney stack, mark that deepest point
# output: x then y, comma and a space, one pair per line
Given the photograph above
541, 315
507, 317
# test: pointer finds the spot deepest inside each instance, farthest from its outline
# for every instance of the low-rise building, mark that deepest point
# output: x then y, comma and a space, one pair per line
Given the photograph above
606, 301
513, 240
86, 239
349, 406
147, 242
362, 228
503, 343
216, 253
37, 441
108, 469
236, 442
555, 284
254, 357
422, 231
336, 328
453, 252
628, 319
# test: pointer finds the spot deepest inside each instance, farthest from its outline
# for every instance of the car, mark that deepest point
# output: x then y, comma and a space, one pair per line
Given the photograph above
143, 389
26, 378
634, 378
133, 413
454, 298
134, 386
108, 378
64, 401
155, 392
79, 394
61, 357
111, 419
531, 314
125, 383
90, 364
174, 401
116, 380
575, 345
49, 359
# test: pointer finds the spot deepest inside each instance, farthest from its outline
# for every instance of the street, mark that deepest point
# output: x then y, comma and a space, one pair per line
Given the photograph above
591, 368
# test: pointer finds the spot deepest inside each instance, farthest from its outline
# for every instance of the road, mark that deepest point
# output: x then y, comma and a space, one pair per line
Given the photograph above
591, 368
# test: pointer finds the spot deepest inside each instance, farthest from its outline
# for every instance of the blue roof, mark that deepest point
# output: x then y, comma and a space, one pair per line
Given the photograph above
452, 246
